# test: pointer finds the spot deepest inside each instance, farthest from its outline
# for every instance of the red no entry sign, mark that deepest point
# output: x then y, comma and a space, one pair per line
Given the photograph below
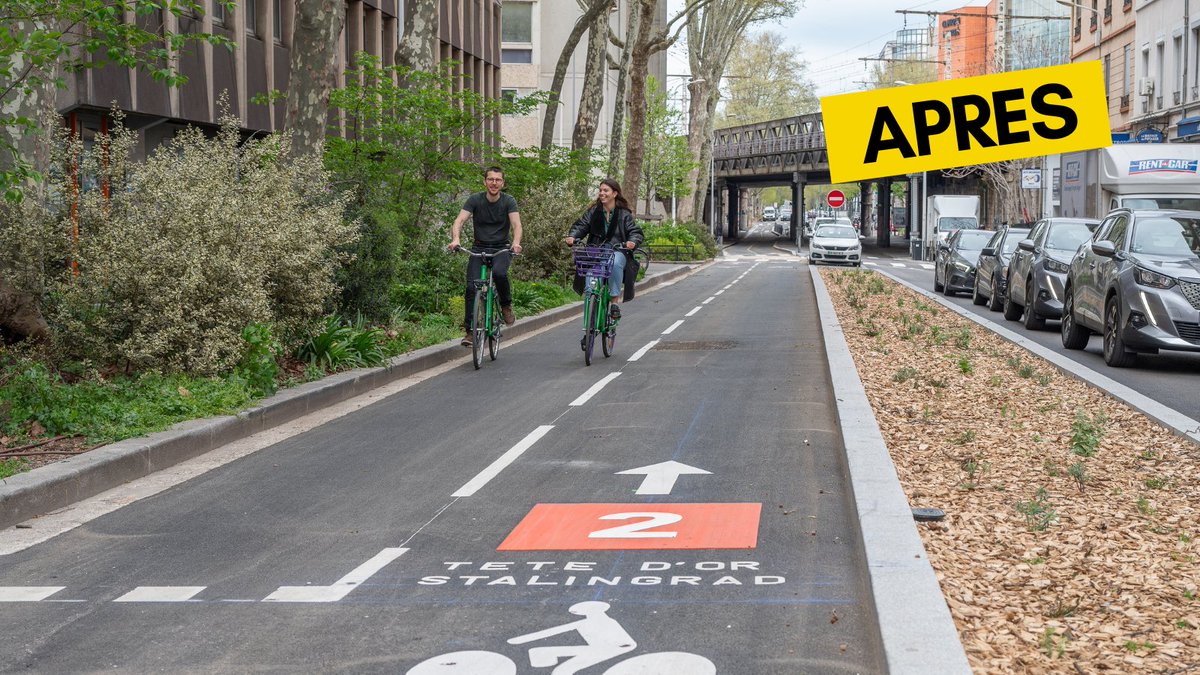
836, 198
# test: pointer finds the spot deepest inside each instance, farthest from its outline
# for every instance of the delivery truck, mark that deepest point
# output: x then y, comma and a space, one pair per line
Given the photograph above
1130, 175
943, 215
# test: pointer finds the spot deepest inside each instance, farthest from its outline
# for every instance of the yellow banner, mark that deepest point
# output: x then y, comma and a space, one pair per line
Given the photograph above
975, 120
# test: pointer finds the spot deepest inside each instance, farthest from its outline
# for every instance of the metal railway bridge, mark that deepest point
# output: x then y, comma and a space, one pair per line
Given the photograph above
789, 151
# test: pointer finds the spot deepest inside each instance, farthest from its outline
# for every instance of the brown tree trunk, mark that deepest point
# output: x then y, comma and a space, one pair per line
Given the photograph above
20, 317
639, 64
596, 9
620, 101
592, 99
416, 50
314, 58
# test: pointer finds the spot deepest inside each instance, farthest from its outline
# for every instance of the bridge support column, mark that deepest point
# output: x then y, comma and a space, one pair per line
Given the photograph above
864, 196
797, 231
884, 235
732, 220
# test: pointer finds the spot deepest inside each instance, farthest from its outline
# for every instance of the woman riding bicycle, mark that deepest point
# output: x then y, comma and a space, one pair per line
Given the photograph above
609, 221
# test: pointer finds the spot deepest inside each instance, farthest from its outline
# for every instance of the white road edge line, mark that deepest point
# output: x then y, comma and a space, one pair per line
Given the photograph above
595, 389
340, 588
694, 310
642, 352
675, 325
472, 486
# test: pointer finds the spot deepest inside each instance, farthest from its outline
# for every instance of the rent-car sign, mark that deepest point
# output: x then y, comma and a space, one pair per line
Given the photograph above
974, 120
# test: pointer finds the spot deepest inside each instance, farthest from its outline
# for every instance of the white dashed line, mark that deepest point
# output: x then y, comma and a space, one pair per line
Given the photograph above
595, 389
340, 588
27, 593
642, 352
504, 460
675, 325
694, 310
710, 299
161, 594
718, 292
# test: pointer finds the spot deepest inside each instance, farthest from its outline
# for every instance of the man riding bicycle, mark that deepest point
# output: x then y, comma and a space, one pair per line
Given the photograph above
494, 213
609, 221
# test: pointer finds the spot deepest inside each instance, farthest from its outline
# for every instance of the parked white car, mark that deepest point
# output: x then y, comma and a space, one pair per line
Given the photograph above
835, 243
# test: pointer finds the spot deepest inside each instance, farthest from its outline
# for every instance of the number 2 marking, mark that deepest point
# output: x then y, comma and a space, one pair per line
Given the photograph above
636, 530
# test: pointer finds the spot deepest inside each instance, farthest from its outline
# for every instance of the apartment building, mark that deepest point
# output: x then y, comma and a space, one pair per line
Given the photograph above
534, 34
1033, 34
1166, 51
261, 31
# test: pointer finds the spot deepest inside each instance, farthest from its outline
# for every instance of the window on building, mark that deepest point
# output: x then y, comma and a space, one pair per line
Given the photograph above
508, 95
251, 8
1107, 73
1160, 54
1177, 75
516, 56
277, 20
516, 22
1127, 64
218, 14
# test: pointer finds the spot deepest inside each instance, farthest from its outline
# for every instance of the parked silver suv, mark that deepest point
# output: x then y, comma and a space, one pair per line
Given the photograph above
1137, 282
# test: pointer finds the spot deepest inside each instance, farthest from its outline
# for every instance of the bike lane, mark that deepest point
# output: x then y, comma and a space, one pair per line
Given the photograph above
698, 501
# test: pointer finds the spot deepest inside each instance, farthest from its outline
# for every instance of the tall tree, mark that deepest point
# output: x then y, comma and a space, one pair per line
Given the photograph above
587, 121
646, 43
592, 10
633, 26
712, 33
417, 47
767, 81
666, 160
314, 61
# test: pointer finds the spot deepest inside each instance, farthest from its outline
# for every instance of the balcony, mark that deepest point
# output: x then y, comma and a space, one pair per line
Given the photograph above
1124, 102
1092, 23
1127, 5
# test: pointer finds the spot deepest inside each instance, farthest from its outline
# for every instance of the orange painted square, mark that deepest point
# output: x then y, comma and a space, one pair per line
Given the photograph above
574, 527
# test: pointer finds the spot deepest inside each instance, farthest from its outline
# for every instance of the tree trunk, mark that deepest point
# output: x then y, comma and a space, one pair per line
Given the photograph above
632, 30
314, 59
639, 64
595, 9
20, 317
592, 100
700, 122
416, 50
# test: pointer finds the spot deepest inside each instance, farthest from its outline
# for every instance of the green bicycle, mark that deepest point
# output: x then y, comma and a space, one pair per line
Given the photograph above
595, 265
487, 323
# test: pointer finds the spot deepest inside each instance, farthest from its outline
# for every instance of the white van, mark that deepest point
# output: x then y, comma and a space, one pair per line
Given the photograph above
768, 213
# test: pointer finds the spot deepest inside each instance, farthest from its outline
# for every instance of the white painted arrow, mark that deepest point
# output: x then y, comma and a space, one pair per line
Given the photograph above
661, 477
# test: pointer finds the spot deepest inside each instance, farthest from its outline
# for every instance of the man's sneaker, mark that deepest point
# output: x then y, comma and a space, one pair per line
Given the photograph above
466, 341
614, 312
507, 313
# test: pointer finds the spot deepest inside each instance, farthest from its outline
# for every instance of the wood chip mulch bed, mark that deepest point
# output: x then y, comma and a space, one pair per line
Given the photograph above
1069, 541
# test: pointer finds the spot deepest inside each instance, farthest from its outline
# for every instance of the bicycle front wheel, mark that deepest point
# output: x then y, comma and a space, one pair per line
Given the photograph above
608, 339
478, 328
494, 335
590, 312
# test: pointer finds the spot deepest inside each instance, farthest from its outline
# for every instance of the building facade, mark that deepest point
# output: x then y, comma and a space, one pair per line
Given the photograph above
534, 34
965, 44
1166, 46
261, 31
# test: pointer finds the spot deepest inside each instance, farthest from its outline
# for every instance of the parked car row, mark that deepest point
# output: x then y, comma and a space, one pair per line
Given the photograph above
1133, 278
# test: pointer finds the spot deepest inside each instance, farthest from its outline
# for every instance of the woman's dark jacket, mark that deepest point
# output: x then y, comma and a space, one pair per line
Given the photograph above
621, 228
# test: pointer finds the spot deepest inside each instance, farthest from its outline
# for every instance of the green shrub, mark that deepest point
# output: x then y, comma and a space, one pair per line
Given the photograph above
547, 213
258, 365
186, 249
343, 345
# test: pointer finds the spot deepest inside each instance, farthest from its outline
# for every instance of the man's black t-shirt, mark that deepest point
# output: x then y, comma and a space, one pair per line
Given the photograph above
491, 219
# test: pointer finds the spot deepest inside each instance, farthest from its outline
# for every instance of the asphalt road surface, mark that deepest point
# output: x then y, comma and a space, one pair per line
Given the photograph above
1167, 377
681, 507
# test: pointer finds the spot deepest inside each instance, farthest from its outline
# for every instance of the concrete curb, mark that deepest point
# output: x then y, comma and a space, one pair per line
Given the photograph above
1175, 421
55, 486
915, 626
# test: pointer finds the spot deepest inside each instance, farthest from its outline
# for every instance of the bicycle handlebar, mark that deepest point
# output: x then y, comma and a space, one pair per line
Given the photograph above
464, 249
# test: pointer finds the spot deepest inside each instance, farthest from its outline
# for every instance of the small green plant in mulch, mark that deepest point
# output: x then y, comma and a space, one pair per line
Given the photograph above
1086, 433
1133, 646
996, 381
963, 339
1051, 468
904, 374
1062, 608
1044, 379
1185, 537
1079, 473
1039, 560
871, 328
965, 437
1144, 507
899, 302
1157, 483
1052, 644
1013, 362
1026, 371
1037, 511
964, 365
1184, 624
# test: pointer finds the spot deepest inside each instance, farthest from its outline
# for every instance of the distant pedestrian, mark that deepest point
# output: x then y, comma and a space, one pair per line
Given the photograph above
497, 225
